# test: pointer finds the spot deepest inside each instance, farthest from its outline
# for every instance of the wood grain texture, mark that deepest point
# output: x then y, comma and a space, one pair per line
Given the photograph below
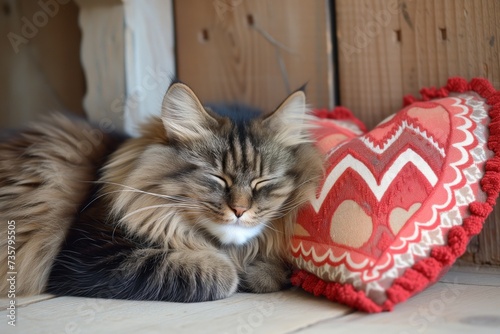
389, 48
103, 59
473, 275
149, 59
370, 58
442, 308
282, 312
485, 248
449, 38
40, 67
255, 52
57, 52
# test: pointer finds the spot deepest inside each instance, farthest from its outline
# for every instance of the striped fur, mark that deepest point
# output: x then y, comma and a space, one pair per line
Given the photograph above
197, 207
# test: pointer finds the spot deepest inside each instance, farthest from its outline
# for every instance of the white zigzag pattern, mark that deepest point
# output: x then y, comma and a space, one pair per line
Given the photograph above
408, 156
404, 125
328, 254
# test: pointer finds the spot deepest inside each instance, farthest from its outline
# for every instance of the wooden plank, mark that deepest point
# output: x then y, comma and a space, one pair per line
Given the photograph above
443, 308
39, 63
103, 59
281, 312
255, 52
487, 250
477, 275
438, 39
56, 49
370, 60
149, 59
447, 38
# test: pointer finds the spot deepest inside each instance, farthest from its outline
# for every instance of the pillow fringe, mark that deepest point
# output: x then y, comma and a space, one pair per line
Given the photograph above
426, 271
340, 113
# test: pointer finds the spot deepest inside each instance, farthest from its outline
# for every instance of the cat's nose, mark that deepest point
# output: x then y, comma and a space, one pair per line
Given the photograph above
239, 210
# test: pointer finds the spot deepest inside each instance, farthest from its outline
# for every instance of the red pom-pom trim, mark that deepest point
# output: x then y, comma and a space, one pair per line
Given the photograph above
426, 271
340, 113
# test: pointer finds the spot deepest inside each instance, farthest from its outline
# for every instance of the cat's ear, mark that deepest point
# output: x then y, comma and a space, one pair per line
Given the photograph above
183, 115
291, 122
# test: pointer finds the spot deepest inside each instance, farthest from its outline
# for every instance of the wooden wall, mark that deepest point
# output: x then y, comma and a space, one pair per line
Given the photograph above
388, 48
40, 67
255, 51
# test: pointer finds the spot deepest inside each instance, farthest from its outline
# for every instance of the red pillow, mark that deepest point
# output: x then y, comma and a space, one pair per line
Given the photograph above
399, 204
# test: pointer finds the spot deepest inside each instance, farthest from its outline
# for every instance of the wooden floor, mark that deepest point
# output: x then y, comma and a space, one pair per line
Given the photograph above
466, 300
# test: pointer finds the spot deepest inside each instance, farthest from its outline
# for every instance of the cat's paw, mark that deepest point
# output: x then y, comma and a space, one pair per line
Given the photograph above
203, 276
265, 276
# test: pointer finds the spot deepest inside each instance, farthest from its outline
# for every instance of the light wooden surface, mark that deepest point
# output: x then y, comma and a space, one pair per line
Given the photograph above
466, 300
149, 59
255, 52
103, 59
441, 309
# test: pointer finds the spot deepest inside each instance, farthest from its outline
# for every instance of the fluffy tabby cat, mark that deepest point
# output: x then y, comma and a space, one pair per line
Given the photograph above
198, 207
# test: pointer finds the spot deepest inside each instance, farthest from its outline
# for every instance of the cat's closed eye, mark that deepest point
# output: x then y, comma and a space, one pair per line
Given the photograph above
225, 182
257, 184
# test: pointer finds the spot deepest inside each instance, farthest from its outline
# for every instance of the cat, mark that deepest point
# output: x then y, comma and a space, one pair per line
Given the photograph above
198, 207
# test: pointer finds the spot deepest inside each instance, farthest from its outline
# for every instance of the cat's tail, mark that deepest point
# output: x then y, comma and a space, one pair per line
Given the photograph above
46, 174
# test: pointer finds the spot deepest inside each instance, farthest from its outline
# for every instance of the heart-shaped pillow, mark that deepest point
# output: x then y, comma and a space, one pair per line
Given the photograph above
399, 204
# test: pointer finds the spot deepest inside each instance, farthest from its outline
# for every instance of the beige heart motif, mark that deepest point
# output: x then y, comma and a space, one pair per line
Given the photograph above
350, 225
399, 217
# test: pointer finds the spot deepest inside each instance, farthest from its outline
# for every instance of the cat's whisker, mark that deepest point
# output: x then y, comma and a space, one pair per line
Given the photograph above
174, 198
291, 206
285, 211
199, 226
98, 197
119, 191
199, 223
178, 206
312, 179
268, 226
287, 208
113, 233
147, 208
